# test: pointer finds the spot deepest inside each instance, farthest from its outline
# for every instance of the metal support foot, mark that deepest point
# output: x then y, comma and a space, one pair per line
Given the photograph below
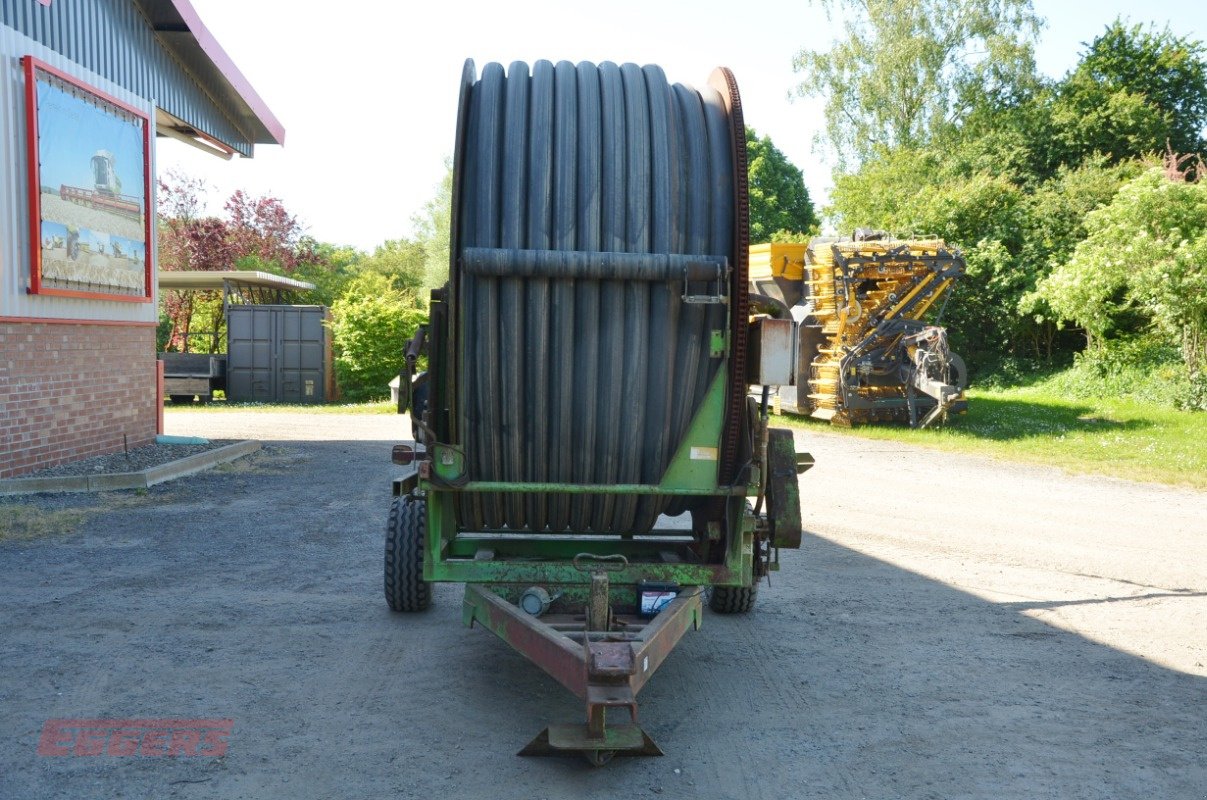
576, 740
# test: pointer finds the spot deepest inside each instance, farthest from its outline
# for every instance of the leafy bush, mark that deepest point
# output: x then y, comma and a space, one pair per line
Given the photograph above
163, 332
1195, 396
1006, 372
1143, 267
1144, 368
371, 323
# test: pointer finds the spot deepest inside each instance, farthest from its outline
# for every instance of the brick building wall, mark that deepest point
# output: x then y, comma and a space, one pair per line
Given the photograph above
72, 390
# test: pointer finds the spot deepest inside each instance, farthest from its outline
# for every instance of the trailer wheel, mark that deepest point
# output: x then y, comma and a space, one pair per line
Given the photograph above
406, 590
732, 599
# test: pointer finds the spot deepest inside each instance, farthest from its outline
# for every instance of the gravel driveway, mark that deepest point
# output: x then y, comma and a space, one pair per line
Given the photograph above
954, 627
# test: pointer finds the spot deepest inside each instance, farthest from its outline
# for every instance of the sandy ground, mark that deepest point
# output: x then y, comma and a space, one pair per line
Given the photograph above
285, 426
1118, 562
952, 627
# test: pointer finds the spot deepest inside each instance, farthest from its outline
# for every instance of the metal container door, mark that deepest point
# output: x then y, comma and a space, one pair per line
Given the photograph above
300, 354
251, 346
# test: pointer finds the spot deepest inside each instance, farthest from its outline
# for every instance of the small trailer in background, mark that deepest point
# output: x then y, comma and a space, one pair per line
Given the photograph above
276, 351
193, 375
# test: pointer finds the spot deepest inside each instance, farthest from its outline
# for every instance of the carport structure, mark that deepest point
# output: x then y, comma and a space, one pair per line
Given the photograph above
276, 351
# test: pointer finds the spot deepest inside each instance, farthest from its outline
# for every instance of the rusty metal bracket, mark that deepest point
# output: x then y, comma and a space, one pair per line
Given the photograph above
599, 607
717, 288
783, 489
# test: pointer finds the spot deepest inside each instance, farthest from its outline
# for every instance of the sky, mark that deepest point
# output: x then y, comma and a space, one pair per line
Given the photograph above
367, 91
71, 129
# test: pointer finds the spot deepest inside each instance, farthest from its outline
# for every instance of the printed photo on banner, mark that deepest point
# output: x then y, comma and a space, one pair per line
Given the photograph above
91, 191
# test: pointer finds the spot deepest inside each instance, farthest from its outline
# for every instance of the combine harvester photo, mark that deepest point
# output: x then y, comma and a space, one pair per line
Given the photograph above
589, 369
861, 347
106, 194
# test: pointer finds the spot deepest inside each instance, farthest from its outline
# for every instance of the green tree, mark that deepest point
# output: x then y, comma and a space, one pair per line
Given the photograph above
1134, 90
330, 273
1011, 235
432, 227
403, 262
907, 70
1090, 118
779, 202
1055, 222
371, 323
1142, 266
1016, 177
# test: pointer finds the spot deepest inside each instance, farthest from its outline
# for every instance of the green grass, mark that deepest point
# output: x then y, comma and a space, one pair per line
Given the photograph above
1121, 438
220, 406
23, 522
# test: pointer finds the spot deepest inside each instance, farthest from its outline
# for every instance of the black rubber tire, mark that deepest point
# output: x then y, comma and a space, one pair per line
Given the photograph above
406, 590
181, 399
733, 599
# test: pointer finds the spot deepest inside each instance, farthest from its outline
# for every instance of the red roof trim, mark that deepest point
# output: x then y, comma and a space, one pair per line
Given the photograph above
209, 45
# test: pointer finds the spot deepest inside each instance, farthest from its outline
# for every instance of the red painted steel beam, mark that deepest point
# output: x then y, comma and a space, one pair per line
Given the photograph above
659, 638
562, 658
567, 661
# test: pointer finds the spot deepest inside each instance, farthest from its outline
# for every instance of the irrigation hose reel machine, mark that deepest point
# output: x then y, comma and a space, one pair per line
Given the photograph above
589, 377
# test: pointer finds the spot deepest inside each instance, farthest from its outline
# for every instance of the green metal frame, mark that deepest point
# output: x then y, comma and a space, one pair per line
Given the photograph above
451, 555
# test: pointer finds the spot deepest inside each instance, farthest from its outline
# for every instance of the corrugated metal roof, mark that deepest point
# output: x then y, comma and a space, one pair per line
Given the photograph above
213, 279
157, 49
15, 301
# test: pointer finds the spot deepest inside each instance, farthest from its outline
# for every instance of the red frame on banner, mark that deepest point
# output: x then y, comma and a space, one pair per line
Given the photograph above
31, 67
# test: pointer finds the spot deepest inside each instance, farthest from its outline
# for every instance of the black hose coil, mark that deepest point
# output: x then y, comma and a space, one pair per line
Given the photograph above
585, 380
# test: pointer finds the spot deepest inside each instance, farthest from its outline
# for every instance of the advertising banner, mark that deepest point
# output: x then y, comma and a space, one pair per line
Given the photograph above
89, 157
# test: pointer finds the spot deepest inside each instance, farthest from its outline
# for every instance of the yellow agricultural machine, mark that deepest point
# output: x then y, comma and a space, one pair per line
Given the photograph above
864, 350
